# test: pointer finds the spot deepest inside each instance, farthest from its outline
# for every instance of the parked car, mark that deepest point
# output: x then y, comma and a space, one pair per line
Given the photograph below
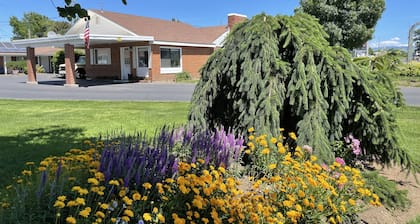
79, 68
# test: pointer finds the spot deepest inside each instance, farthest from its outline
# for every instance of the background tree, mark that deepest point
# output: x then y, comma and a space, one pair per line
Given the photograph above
72, 11
35, 25
281, 72
349, 23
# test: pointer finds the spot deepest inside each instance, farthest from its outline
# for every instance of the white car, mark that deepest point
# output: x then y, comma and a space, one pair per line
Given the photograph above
79, 68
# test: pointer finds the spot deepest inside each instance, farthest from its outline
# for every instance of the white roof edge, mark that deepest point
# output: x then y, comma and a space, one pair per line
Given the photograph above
119, 37
221, 39
47, 41
181, 44
237, 14
128, 31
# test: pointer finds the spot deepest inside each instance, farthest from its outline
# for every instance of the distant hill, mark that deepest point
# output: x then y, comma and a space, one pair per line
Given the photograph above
402, 48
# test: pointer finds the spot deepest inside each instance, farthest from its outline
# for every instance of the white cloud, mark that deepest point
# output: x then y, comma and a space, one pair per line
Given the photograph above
393, 42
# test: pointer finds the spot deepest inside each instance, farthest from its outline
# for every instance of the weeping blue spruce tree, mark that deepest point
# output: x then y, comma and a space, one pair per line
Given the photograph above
280, 72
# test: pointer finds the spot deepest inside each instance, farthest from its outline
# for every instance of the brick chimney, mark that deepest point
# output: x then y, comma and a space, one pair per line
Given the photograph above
235, 18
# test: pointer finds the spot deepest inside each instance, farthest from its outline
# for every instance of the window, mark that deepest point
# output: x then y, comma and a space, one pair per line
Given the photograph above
100, 56
170, 60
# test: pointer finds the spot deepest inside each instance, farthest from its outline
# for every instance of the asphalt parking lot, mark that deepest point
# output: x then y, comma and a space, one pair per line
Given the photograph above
50, 87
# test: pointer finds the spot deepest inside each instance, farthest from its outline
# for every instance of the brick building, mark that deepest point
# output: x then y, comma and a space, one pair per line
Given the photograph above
123, 46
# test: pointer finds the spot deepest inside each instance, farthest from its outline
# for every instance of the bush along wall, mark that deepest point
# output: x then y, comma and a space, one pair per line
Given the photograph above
278, 72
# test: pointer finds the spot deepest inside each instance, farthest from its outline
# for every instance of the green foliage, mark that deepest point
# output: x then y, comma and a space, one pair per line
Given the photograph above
59, 56
348, 23
35, 25
280, 72
72, 11
387, 190
183, 76
16, 65
411, 69
415, 221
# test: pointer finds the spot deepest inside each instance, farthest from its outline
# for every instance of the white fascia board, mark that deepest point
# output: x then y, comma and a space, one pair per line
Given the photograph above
221, 39
110, 21
119, 37
49, 41
180, 44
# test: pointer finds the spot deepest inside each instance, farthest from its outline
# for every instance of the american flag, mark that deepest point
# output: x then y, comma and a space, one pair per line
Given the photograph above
87, 34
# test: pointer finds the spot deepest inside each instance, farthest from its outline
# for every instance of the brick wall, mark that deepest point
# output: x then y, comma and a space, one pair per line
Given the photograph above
193, 58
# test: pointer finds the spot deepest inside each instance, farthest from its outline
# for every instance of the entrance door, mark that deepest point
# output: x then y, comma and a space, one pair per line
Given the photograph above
125, 62
142, 62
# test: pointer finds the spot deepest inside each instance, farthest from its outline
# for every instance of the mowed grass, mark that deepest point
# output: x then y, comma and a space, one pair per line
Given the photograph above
408, 119
33, 130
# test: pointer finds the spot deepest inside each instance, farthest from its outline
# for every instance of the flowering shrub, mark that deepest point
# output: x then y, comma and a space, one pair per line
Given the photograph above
90, 186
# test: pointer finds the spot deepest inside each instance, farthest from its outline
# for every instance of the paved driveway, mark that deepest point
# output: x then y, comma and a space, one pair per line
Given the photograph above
51, 87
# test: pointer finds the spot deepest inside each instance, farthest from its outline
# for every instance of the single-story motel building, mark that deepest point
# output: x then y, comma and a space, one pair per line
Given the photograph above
124, 47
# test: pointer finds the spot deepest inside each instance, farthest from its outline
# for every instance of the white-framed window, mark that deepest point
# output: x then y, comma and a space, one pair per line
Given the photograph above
100, 56
170, 60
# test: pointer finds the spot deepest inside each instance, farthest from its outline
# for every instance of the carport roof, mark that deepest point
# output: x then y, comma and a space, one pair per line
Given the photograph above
78, 40
8, 48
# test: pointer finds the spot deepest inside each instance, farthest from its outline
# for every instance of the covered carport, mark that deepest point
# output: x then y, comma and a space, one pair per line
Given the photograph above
69, 43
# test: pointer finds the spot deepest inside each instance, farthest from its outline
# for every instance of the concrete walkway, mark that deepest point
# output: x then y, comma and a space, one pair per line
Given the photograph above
50, 87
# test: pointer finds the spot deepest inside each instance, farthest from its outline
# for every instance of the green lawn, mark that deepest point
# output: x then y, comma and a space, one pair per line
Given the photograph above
32, 130
408, 119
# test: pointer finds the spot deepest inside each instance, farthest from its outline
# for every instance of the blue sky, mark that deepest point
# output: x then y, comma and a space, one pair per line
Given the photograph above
391, 30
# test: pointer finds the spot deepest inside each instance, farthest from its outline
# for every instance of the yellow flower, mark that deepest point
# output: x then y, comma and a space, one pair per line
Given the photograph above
44, 163
251, 129
320, 207
114, 182
125, 218
161, 218
127, 200
104, 206
42, 168
251, 137
83, 191
155, 210
273, 140
70, 220
100, 214
136, 196
265, 151
26, 172
129, 213
301, 194
71, 204
292, 135
147, 217
80, 201
352, 202
272, 166
29, 163
85, 212
61, 198
93, 181
59, 204
147, 185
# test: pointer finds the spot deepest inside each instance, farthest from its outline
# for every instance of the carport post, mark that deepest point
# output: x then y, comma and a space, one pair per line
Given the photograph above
31, 64
69, 61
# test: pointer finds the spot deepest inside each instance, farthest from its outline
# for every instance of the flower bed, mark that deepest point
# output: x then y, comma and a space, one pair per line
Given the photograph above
182, 176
